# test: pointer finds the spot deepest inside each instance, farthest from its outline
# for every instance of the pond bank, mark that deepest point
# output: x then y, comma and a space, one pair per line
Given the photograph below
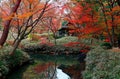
26, 72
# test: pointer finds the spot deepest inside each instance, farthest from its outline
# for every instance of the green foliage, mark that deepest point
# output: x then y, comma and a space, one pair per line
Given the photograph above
51, 49
106, 45
60, 41
66, 39
7, 62
4, 51
3, 68
102, 64
17, 58
30, 36
89, 41
27, 42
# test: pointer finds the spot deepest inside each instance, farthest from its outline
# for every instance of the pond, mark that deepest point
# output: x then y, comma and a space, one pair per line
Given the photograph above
44, 67
61, 74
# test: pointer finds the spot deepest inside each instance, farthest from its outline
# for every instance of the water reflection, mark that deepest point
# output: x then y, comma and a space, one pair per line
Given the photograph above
61, 74
50, 71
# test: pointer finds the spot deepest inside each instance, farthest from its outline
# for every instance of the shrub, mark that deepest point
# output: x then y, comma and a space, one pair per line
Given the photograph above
3, 68
8, 62
44, 48
106, 45
67, 39
82, 47
90, 41
26, 43
35, 37
17, 58
102, 64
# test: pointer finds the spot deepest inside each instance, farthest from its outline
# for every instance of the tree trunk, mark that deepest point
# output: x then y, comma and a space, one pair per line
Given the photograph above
113, 32
16, 44
7, 24
106, 23
55, 41
118, 40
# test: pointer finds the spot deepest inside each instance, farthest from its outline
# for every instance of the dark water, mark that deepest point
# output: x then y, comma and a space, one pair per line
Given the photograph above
69, 65
74, 71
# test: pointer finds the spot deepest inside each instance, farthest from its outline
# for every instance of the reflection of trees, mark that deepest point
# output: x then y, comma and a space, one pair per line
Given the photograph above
46, 71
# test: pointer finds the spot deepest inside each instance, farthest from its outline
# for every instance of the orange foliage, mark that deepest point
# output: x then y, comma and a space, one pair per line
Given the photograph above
23, 12
83, 18
36, 37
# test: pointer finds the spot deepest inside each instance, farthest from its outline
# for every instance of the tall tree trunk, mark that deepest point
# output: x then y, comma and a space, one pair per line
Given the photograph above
111, 4
113, 31
106, 23
7, 24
